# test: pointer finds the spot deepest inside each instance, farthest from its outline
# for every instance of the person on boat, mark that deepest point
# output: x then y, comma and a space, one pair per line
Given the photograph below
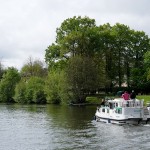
132, 95
103, 102
126, 95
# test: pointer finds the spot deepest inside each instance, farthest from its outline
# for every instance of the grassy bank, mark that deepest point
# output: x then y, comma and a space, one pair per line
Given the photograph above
146, 98
96, 100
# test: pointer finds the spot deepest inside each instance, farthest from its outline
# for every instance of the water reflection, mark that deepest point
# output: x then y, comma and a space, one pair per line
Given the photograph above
70, 117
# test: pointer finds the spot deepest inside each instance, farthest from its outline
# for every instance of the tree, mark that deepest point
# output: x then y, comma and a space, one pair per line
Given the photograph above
109, 53
52, 55
2, 71
147, 64
123, 50
56, 88
54, 59
33, 68
83, 77
20, 92
121, 35
8, 83
77, 38
140, 47
35, 90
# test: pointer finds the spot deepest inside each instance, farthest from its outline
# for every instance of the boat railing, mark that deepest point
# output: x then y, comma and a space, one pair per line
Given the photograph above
132, 103
123, 103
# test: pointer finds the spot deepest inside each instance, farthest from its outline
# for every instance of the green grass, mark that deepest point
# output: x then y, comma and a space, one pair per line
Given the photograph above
96, 100
145, 97
93, 100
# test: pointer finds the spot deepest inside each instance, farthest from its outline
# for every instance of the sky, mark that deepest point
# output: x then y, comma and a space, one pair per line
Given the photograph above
28, 27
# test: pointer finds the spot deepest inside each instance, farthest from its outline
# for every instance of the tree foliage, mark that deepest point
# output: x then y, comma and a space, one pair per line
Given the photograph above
2, 70
84, 59
81, 76
20, 92
35, 90
97, 57
33, 68
8, 83
31, 91
56, 88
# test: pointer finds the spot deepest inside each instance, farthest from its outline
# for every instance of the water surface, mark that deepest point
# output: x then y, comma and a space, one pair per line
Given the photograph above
51, 127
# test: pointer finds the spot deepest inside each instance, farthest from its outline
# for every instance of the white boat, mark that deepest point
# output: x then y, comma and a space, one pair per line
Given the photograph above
120, 111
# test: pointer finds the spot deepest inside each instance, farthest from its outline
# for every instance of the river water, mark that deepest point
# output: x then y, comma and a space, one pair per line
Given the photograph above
51, 127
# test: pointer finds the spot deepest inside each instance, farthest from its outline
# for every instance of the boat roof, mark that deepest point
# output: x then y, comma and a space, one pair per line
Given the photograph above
116, 100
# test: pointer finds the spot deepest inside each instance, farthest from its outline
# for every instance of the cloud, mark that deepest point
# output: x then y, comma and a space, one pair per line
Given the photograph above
28, 27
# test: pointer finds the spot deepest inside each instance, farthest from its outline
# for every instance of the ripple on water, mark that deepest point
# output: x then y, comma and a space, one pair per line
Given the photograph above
36, 128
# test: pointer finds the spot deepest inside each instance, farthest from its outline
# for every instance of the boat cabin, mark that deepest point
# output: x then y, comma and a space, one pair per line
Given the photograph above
120, 102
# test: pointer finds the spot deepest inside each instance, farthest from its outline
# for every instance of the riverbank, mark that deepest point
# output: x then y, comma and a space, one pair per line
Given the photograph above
95, 100
91, 100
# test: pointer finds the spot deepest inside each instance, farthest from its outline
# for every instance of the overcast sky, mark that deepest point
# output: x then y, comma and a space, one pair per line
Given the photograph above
28, 27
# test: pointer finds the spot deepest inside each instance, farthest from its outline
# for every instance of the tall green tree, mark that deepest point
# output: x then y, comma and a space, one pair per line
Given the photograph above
79, 38
84, 77
123, 50
147, 64
121, 46
54, 59
8, 83
72, 35
139, 62
109, 53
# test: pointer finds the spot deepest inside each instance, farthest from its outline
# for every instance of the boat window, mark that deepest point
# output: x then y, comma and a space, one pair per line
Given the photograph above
116, 104
118, 111
111, 105
107, 110
103, 110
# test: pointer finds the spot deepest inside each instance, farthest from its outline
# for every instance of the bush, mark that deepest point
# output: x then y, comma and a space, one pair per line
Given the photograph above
8, 84
57, 89
20, 93
30, 91
35, 90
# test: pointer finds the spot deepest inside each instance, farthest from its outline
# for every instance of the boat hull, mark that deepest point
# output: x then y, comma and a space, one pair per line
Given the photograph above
122, 121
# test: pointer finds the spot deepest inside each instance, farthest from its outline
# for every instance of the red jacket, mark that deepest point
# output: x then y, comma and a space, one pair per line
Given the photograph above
126, 96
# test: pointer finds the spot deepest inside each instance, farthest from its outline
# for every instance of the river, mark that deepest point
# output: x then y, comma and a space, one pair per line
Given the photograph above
51, 127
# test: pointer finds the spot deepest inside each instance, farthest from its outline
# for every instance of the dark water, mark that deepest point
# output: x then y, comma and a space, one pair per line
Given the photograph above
40, 127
